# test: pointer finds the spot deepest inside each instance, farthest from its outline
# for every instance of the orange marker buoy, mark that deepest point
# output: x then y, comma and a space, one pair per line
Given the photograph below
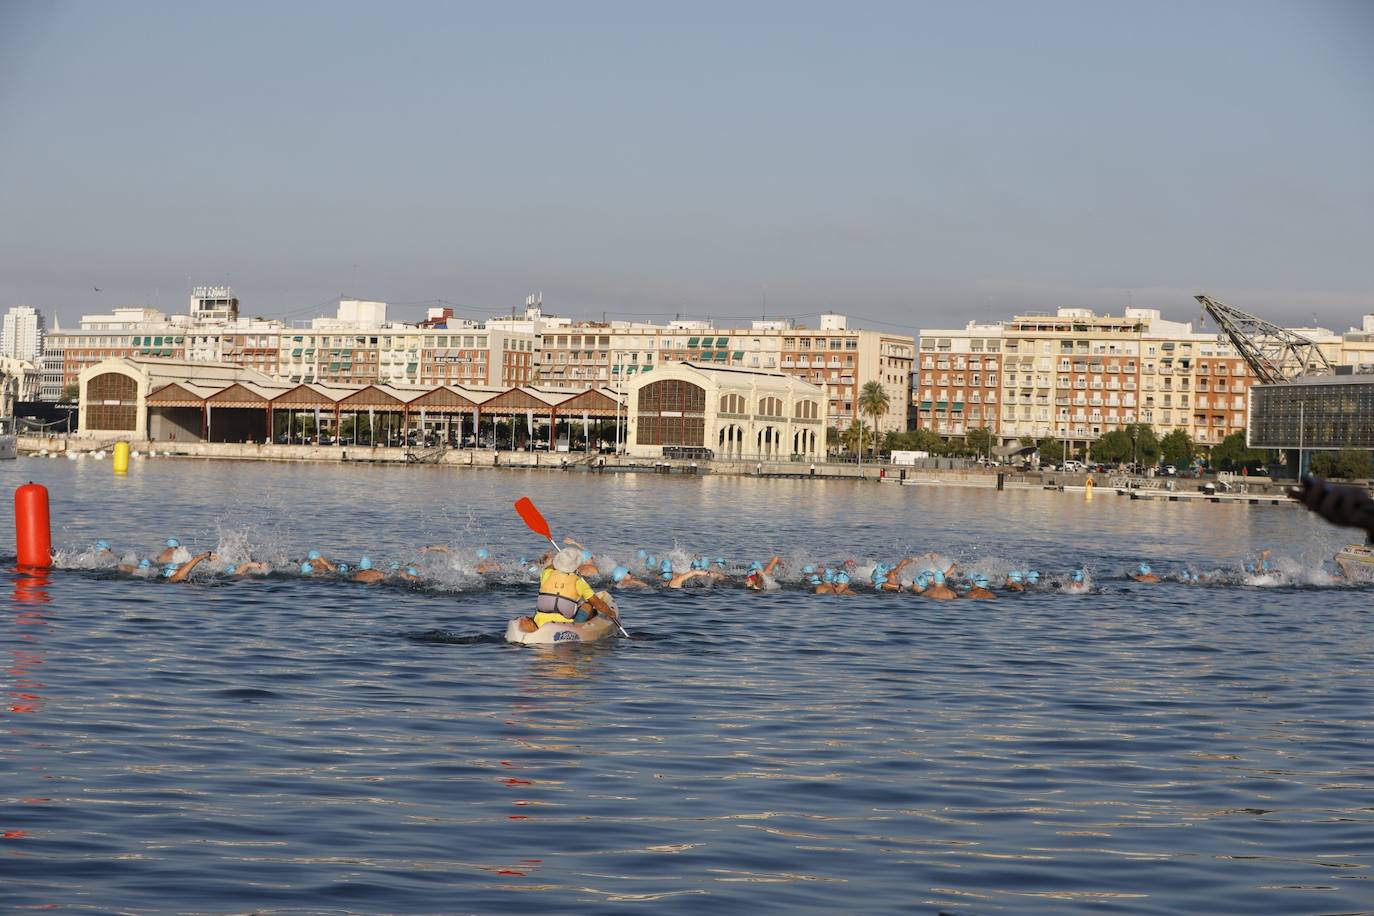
33, 526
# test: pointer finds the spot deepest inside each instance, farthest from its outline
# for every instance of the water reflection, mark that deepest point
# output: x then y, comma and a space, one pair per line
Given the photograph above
27, 655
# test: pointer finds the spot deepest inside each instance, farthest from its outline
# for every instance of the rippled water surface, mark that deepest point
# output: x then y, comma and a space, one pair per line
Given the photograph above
306, 745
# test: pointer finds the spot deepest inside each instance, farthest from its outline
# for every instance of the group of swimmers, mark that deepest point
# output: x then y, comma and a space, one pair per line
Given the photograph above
928, 575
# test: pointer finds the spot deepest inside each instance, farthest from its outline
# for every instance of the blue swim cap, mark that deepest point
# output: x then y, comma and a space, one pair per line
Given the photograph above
877, 575
230, 569
313, 555
815, 580
586, 556
667, 576
1014, 576
144, 564
808, 569
343, 567
1144, 569
842, 579
173, 542
411, 570
828, 575
619, 573
981, 581
641, 553
650, 561
666, 566
921, 581
755, 564
939, 577
169, 570
103, 545
365, 563
306, 568
1032, 577
1077, 575
483, 553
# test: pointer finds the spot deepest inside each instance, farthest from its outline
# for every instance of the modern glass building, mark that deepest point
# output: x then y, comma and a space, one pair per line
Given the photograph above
1328, 412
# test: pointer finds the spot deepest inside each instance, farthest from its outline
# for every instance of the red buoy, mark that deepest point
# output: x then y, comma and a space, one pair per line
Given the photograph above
32, 526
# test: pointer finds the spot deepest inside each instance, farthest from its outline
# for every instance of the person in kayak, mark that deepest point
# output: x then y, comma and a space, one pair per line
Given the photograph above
563, 594
586, 565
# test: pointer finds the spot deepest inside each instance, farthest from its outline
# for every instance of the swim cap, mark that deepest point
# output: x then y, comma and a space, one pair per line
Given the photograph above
365, 563
981, 581
344, 567
230, 569
144, 564
1032, 577
641, 553
173, 542
313, 555
755, 564
586, 556
169, 570
103, 545
1014, 576
483, 553
650, 561
666, 566
1144, 569
667, 576
829, 575
306, 568
619, 573
921, 581
411, 571
1077, 575
939, 577
815, 580
842, 579
808, 569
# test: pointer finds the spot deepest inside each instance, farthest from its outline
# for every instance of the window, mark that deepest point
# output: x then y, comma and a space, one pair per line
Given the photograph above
806, 410
731, 403
770, 407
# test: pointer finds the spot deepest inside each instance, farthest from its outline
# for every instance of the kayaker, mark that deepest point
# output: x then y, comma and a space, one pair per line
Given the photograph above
1143, 573
563, 593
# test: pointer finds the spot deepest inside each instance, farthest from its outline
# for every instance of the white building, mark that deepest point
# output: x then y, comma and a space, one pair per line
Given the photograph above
22, 338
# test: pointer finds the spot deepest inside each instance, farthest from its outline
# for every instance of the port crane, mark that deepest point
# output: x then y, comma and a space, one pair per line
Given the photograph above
1274, 354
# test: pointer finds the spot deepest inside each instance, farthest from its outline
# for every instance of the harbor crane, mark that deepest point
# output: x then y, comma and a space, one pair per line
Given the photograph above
1276, 355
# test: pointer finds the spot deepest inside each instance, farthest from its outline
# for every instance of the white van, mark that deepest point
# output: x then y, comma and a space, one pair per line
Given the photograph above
1073, 467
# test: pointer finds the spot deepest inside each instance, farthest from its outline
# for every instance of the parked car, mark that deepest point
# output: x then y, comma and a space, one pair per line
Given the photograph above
1170, 470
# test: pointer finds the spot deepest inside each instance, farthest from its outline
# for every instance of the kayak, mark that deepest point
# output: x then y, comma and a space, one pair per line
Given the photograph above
600, 627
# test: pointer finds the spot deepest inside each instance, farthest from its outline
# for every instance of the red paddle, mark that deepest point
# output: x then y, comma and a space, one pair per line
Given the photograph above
536, 523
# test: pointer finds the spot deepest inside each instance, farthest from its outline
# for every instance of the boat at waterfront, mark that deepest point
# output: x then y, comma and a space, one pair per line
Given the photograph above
1356, 562
9, 442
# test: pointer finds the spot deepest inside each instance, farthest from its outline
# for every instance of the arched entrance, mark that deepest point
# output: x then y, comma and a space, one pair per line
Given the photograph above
111, 400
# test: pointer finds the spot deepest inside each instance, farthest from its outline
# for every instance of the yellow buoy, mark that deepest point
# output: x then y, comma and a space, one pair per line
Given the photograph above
1088, 488
121, 458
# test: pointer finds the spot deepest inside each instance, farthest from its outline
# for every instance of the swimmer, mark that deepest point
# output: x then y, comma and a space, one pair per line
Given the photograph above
317, 562
978, 589
142, 567
1144, 574
841, 584
404, 573
1015, 581
169, 552
246, 568
759, 576
1260, 565
485, 564
366, 574
179, 573
623, 578
937, 589
587, 565
1078, 581
678, 580
827, 583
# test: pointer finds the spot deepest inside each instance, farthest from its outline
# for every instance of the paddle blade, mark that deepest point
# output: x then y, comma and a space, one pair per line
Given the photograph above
530, 515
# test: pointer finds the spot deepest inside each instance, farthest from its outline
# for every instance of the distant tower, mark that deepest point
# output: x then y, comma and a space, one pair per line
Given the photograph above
22, 337
213, 303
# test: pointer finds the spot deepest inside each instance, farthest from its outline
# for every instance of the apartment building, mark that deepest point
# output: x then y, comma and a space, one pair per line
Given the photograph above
957, 380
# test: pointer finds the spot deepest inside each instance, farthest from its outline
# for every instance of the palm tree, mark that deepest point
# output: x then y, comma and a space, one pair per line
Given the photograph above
873, 400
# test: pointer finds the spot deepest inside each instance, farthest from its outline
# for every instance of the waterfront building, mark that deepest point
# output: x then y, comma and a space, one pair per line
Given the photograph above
1314, 413
22, 335
690, 410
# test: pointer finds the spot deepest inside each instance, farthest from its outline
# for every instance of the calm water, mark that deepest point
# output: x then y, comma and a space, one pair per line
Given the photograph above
298, 745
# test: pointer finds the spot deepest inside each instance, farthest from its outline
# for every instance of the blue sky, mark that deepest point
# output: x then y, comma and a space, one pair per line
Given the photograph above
907, 163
